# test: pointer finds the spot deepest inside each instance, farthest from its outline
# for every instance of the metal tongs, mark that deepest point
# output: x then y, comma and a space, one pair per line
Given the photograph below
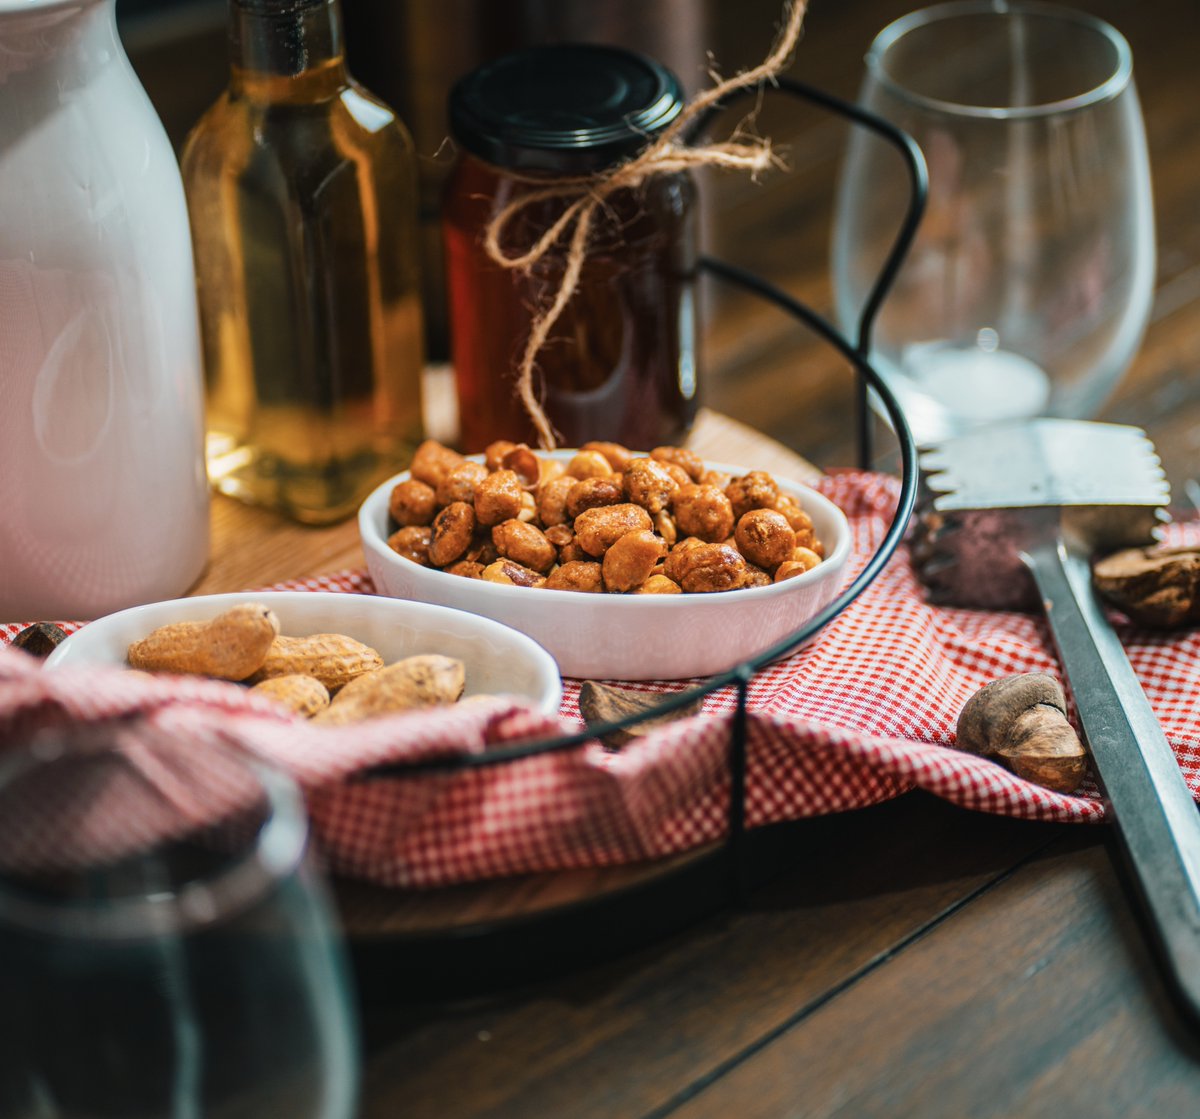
1040, 498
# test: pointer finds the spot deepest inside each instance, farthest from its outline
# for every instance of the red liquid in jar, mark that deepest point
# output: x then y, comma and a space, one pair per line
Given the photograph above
620, 363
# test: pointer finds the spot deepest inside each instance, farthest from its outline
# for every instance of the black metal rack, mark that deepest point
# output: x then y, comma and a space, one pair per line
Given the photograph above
720, 878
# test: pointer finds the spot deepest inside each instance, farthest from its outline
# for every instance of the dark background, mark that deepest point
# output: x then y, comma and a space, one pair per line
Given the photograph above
759, 366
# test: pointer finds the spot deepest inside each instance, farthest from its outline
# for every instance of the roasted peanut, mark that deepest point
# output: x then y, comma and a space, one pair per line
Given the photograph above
664, 525
703, 511
552, 500
649, 484
756, 577
412, 503
681, 457
792, 510
765, 538
538, 522
572, 552
707, 568
658, 584
422, 681
618, 456
468, 569
412, 543
453, 529
459, 484
576, 576
432, 462
481, 549
755, 490
673, 561
493, 453
718, 478
498, 497
302, 695
509, 571
332, 658
525, 544
630, 560
806, 556
801, 522
589, 464
681, 476
591, 493
231, 646
559, 535
551, 469
524, 464
598, 529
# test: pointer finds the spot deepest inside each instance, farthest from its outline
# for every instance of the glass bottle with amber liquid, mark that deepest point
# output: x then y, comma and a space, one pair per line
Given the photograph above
301, 191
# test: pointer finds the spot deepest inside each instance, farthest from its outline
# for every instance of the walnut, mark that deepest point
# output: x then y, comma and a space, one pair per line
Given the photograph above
1021, 722
1156, 587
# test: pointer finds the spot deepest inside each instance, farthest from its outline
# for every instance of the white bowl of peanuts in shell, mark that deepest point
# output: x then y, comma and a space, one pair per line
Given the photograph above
624, 565
336, 658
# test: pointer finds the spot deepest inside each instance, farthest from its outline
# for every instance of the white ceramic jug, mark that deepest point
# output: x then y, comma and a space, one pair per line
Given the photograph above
103, 494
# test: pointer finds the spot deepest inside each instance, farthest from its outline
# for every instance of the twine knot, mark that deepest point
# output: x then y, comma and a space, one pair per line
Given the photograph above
666, 154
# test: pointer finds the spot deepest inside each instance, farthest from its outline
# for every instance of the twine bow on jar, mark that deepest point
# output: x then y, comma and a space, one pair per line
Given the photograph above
666, 154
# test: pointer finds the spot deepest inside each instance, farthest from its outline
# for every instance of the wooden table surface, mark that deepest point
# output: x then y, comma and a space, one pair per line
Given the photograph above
913, 959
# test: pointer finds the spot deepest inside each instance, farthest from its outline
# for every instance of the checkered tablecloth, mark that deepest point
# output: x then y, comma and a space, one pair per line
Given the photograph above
863, 713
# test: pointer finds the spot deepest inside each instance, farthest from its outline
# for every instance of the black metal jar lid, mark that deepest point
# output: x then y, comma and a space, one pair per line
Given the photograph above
570, 108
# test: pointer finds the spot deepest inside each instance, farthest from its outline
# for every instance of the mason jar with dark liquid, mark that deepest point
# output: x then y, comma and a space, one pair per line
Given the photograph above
620, 362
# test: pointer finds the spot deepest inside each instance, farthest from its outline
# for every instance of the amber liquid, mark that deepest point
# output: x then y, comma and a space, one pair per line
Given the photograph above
302, 196
621, 362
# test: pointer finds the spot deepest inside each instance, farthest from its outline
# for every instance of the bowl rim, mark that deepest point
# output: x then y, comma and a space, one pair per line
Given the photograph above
547, 670
373, 511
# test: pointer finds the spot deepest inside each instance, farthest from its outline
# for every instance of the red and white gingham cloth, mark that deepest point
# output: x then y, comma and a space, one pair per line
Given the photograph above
863, 713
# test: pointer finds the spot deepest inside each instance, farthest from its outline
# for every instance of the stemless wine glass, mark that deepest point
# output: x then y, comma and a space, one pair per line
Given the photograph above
165, 945
1027, 289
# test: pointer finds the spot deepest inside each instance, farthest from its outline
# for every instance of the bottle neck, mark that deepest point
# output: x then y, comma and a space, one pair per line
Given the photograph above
286, 49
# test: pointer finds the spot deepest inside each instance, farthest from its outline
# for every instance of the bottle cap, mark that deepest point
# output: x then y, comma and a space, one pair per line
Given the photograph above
573, 108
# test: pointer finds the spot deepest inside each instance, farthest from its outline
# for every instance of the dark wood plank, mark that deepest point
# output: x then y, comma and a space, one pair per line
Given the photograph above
625, 1037
1039, 998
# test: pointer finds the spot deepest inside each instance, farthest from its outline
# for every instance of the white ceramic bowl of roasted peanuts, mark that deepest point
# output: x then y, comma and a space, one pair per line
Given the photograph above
495, 659
528, 538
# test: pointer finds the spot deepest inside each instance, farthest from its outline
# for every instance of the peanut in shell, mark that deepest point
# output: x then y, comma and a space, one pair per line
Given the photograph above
332, 658
426, 680
231, 646
302, 695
